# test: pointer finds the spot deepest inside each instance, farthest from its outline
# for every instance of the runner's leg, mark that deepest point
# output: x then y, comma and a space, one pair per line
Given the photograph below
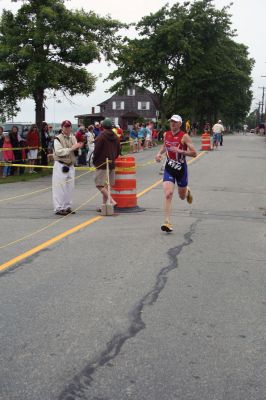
168, 188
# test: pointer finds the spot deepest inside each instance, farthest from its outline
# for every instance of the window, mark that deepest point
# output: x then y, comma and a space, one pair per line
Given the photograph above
143, 105
118, 105
131, 92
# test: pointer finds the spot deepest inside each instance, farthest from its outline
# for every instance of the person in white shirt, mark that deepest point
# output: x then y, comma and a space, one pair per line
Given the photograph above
245, 127
90, 144
218, 129
64, 171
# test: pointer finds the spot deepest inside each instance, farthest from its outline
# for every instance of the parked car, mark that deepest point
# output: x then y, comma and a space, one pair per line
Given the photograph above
23, 128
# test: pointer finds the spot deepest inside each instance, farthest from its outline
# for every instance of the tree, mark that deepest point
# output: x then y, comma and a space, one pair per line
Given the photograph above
46, 46
186, 54
253, 119
217, 72
155, 59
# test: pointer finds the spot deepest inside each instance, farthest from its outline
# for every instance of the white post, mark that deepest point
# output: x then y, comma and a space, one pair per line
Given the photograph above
108, 182
108, 208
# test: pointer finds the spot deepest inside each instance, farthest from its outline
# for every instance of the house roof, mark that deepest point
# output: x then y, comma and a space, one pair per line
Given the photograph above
141, 89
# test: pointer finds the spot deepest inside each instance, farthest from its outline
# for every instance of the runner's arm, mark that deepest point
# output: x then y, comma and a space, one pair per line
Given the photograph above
160, 153
191, 151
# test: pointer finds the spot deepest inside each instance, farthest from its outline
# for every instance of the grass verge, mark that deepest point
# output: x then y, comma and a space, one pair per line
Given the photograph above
25, 177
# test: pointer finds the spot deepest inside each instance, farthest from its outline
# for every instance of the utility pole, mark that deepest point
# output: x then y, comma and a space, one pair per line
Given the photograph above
258, 113
264, 76
262, 101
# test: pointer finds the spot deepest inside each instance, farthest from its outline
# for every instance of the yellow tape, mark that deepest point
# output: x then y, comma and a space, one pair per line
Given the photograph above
20, 148
43, 166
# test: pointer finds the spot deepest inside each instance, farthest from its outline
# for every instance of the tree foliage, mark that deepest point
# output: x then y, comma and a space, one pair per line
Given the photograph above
187, 55
46, 46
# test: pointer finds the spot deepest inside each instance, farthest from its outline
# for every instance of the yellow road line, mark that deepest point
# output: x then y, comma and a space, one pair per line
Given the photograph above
149, 188
61, 236
49, 242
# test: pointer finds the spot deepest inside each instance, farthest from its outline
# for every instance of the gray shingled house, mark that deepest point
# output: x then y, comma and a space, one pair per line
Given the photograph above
136, 103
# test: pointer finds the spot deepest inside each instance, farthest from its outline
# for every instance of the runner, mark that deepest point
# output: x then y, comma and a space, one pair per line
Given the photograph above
177, 145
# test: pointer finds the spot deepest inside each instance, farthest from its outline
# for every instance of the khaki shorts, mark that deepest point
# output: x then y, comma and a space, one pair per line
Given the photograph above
101, 179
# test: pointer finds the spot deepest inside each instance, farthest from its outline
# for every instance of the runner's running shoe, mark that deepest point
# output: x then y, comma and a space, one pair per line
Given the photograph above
167, 227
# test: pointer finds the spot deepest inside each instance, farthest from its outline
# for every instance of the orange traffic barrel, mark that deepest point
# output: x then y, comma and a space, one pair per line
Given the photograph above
124, 190
205, 141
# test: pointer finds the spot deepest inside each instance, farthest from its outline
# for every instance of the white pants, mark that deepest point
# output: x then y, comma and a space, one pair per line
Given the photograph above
90, 150
63, 187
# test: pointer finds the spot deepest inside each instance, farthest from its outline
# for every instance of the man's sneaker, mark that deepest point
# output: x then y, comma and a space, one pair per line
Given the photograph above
167, 227
189, 196
70, 211
61, 212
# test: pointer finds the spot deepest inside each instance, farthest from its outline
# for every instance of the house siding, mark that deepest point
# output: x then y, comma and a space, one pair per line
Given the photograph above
130, 111
130, 105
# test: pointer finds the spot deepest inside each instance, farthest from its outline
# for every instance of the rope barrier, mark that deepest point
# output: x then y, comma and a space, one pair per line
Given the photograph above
49, 225
49, 187
58, 220
20, 148
88, 169
3, 164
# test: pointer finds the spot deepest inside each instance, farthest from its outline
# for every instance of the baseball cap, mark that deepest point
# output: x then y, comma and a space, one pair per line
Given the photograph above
176, 118
107, 123
219, 121
97, 123
66, 124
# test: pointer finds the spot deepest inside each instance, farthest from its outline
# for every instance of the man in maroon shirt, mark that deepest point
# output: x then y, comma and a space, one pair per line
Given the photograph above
107, 145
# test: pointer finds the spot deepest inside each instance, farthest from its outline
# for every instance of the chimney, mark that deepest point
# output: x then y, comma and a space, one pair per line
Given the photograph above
93, 110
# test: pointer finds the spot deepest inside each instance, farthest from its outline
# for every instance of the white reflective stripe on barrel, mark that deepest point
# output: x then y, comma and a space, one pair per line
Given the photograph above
124, 176
133, 191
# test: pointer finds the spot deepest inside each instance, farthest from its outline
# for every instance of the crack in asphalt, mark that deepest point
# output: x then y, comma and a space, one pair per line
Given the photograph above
83, 380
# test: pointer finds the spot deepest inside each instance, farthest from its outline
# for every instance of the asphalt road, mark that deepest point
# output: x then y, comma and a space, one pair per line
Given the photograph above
119, 310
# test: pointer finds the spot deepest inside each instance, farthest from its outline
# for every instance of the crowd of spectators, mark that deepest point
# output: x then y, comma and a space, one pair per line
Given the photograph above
36, 147
143, 136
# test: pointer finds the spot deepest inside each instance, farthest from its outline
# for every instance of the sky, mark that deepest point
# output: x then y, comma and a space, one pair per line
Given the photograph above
248, 18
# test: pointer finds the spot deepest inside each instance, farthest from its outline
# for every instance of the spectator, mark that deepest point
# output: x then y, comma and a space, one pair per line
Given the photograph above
96, 129
106, 146
51, 134
148, 137
119, 132
33, 143
90, 143
2, 137
218, 130
154, 137
141, 136
17, 142
8, 155
81, 138
195, 127
188, 127
45, 140
64, 172
133, 139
